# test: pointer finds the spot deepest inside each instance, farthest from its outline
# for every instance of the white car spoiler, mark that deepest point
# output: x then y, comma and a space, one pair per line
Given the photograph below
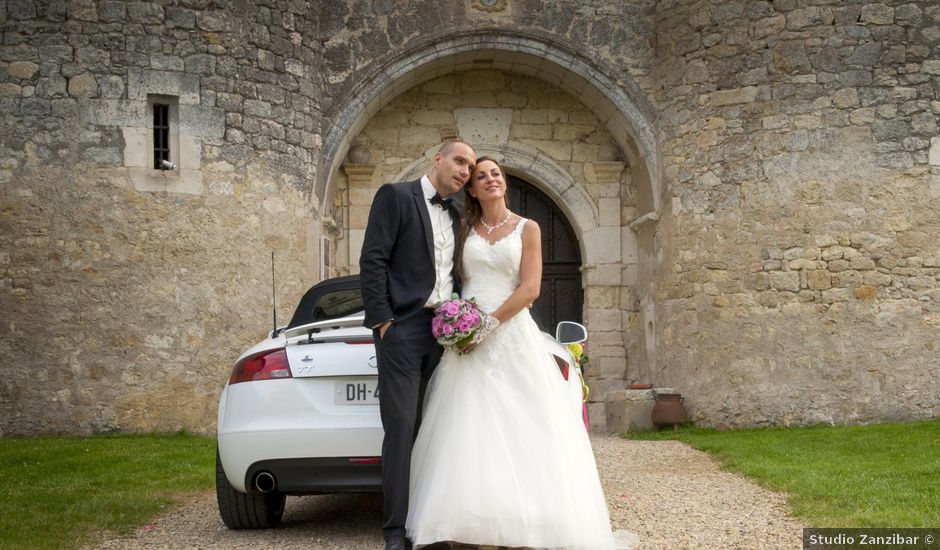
331, 330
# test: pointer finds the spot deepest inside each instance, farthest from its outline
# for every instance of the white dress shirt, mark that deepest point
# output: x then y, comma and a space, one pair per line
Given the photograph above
442, 229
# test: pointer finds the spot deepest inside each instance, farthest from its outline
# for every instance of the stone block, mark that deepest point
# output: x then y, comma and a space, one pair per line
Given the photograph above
734, 97
609, 367
604, 319
576, 132
862, 263
931, 66
140, 83
8, 89
629, 246
834, 295
876, 278
83, 85
148, 180
481, 125
836, 266
629, 410
83, 10
785, 280
791, 58
558, 150
430, 118
934, 155
361, 196
25, 70
356, 237
603, 274
602, 245
532, 131
877, 14
602, 296
190, 153
609, 211
201, 121
865, 292
818, 280
358, 216
137, 143
424, 136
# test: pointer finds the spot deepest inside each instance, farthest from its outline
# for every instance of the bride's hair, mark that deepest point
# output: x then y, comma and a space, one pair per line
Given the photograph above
473, 212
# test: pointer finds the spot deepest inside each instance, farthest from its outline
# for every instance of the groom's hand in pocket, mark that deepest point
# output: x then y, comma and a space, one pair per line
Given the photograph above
383, 328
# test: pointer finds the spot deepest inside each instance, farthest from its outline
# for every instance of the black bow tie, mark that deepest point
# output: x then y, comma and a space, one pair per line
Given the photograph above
442, 202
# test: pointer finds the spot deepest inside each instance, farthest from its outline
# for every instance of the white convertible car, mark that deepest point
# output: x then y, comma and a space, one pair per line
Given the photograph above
299, 414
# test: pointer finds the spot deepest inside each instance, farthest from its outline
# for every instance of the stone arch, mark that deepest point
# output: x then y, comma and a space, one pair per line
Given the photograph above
618, 104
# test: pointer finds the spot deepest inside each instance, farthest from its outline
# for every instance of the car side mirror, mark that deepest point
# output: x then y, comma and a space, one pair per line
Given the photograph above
569, 332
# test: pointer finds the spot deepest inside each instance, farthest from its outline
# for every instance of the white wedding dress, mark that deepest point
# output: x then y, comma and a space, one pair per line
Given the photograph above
502, 457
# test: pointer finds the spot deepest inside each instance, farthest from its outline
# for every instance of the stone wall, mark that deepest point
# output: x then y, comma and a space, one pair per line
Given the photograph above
128, 292
800, 147
776, 256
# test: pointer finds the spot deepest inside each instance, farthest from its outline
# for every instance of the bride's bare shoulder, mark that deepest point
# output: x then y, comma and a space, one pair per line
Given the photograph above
530, 229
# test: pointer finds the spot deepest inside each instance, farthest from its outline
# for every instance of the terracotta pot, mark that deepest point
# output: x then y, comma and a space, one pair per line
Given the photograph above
669, 410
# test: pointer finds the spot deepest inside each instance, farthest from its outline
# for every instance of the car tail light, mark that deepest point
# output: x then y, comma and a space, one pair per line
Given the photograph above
366, 460
267, 365
562, 366
359, 342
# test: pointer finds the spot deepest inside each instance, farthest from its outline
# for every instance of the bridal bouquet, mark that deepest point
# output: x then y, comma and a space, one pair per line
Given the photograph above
456, 322
579, 353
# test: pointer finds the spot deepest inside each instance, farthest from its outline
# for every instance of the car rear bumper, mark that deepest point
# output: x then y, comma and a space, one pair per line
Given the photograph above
317, 453
304, 476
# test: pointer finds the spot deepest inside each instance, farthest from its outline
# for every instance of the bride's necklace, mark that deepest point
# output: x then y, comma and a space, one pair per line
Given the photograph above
491, 228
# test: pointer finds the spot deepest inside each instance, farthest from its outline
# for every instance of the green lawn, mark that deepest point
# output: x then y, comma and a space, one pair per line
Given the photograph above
59, 492
885, 475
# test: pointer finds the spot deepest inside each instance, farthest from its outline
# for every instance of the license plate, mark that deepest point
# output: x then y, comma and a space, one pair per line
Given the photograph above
356, 392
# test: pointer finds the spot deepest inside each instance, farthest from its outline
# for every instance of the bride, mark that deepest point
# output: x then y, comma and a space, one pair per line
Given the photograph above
500, 458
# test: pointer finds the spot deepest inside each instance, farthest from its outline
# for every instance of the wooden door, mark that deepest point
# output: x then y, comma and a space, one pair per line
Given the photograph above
561, 298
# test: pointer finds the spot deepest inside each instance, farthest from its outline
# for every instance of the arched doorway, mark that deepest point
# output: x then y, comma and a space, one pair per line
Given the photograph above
561, 298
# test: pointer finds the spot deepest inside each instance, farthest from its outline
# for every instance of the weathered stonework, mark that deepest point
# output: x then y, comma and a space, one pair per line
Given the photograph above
755, 186
803, 230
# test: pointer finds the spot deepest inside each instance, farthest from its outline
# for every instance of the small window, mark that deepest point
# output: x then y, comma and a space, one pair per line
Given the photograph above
161, 134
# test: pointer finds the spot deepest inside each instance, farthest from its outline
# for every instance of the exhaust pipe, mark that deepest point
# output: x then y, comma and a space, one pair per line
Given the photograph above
265, 482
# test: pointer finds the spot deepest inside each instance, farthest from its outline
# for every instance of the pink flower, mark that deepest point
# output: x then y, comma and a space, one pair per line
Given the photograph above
448, 329
464, 326
451, 308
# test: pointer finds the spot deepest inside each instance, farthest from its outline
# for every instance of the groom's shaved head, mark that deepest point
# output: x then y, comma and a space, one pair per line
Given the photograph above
449, 146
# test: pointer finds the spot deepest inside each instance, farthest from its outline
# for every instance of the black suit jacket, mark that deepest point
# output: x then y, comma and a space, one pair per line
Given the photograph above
396, 266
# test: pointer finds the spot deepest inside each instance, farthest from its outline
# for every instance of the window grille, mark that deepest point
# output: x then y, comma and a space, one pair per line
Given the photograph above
161, 134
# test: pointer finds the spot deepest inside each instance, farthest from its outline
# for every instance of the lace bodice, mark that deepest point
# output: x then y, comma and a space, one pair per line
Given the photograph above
492, 270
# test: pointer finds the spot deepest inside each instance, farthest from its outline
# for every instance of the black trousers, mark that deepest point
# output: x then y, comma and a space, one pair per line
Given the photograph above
406, 359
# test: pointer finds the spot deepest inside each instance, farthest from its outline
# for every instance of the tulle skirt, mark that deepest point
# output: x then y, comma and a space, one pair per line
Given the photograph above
502, 456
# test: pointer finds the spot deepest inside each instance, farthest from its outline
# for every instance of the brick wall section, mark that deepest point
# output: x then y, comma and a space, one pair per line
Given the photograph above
804, 234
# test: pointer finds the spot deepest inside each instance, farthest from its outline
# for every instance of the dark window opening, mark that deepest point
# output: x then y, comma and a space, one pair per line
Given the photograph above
161, 134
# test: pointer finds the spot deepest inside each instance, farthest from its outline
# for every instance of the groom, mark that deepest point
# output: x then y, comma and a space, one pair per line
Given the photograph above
406, 267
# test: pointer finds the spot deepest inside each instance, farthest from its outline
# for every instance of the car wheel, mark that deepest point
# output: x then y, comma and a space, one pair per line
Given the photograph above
246, 510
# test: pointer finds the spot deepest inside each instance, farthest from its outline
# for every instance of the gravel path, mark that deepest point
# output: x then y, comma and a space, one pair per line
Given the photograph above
669, 494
